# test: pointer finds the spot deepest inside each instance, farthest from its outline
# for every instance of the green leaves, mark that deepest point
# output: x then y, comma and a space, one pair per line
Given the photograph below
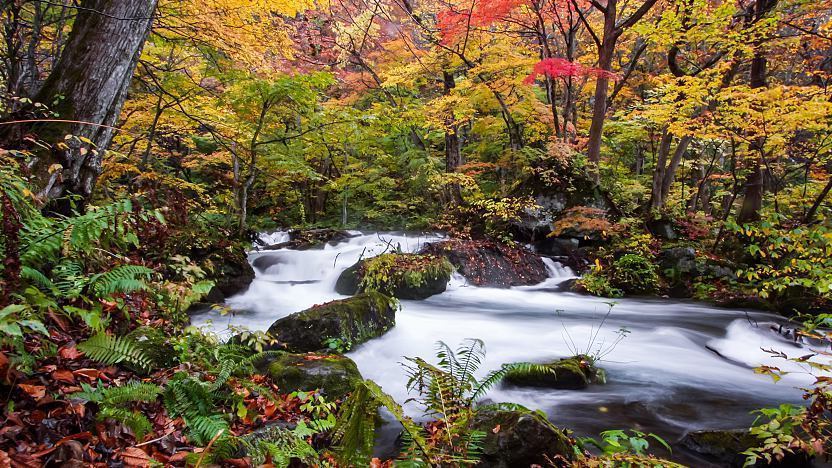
14, 325
110, 350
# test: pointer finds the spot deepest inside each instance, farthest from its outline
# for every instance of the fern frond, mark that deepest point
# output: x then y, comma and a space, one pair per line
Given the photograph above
38, 279
122, 279
112, 396
111, 350
137, 422
495, 377
204, 428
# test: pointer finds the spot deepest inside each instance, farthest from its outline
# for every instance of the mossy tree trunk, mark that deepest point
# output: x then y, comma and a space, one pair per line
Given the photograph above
88, 86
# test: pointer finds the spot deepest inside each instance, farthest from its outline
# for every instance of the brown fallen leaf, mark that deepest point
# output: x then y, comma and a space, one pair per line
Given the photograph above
496, 429
91, 374
69, 352
64, 375
178, 457
134, 456
34, 391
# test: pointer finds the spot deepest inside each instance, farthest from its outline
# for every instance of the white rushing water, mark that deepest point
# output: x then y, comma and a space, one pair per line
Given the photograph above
682, 365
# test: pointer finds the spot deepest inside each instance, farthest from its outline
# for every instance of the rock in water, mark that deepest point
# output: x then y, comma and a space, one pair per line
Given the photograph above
336, 325
726, 446
336, 376
403, 276
491, 264
520, 439
574, 373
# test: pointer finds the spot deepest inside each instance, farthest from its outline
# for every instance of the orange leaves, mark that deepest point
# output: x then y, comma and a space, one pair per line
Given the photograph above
134, 456
35, 391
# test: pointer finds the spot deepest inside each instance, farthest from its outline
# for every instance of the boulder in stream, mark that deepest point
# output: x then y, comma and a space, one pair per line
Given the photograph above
404, 276
725, 447
520, 438
335, 375
337, 325
312, 238
574, 373
489, 263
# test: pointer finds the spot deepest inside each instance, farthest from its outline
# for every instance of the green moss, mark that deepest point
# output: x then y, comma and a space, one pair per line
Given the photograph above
335, 375
576, 372
347, 322
389, 272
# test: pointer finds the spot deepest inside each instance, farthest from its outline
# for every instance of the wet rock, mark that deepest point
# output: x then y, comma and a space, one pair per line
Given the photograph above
557, 246
335, 375
662, 228
264, 261
520, 439
678, 259
338, 324
350, 280
725, 447
235, 273
312, 238
574, 373
491, 264
403, 276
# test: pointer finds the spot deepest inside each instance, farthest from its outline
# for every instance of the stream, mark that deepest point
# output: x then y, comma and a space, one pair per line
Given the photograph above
682, 366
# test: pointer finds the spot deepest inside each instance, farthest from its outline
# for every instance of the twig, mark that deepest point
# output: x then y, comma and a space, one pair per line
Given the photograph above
208, 448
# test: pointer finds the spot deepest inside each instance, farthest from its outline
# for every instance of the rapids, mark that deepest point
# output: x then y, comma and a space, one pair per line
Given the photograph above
682, 365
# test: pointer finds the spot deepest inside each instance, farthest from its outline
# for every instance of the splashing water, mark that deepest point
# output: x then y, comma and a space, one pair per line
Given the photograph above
683, 366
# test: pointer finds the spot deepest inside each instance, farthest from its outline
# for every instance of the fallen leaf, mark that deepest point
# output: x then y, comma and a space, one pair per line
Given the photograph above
134, 456
91, 374
178, 457
64, 375
496, 429
34, 391
69, 352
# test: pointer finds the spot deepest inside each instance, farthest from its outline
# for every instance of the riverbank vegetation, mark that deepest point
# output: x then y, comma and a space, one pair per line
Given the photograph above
660, 148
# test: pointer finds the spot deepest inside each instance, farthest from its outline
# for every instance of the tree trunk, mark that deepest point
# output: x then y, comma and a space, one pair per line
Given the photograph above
670, 172
752, 196
91, 79
599, 109
656, 201
453, 154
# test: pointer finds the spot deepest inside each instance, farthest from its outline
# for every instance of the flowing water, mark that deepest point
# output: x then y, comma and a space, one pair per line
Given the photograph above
682, 365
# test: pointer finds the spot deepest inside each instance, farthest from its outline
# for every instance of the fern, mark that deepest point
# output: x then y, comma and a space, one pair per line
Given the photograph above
111, 396
353, 435
280, 444
204, 428
122, 279
111, 350
136, 421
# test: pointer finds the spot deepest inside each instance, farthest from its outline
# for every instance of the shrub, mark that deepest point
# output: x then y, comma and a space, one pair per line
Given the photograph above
386, 272
597, 284
634, 274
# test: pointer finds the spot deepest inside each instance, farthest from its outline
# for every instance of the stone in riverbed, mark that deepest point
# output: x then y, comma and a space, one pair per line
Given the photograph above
338, 324
491, 264
725, 447
520, 439
335, 375
404, 276
574, 373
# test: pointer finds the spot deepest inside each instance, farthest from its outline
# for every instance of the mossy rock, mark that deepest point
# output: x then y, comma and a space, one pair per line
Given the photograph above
520, 439
404, 276
725, 447
349, 281
574, 373
491, 264
337, 325
335, 375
